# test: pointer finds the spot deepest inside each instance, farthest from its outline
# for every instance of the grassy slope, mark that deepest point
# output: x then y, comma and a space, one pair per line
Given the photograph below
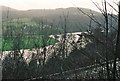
23, 41
26, 42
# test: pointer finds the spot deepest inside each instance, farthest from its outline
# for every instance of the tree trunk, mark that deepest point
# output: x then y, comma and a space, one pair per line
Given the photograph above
106, 41
117, 52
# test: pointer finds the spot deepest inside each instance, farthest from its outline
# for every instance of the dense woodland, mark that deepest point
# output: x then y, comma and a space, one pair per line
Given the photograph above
71, 43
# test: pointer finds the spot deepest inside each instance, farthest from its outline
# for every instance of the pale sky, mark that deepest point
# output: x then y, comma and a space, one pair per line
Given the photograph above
52, 4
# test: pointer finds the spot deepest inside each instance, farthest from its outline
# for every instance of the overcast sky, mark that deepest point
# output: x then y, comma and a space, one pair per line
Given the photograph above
52, 4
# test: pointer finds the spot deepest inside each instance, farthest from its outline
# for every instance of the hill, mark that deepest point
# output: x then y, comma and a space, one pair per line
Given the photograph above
76, 20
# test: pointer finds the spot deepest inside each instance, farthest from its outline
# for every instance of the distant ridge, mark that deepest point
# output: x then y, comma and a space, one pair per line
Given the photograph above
76, 19
55, 16
69, 9
5, 8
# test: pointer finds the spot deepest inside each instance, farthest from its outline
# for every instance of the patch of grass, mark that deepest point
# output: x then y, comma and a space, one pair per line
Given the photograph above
23, 33
13, 43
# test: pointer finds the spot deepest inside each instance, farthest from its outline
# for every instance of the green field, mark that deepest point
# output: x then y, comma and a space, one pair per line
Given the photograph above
26, 34
14, 43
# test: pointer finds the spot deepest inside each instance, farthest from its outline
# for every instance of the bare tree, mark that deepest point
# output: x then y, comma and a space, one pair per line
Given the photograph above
117, 45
